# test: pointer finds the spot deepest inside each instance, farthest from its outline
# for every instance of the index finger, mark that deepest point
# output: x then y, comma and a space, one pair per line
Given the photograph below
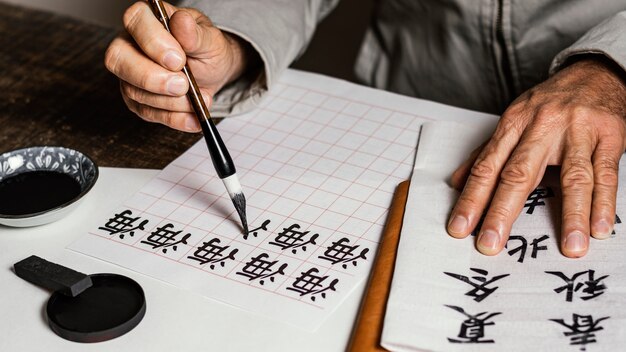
483, 178
153, 39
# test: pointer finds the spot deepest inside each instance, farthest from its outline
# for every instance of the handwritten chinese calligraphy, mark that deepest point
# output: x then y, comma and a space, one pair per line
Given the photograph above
164, 237
479, 283
534, 244
259, 268
582, 330
585, 285
535, 199
123, 223
473, 328
592, 287
291, 238
211, 252
342, 252
255, 232
310, 284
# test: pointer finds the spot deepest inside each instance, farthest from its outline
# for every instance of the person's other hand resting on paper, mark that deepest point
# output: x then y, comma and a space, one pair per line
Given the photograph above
575, 119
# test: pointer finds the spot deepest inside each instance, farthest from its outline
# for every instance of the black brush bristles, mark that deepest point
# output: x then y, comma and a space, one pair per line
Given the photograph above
239, 201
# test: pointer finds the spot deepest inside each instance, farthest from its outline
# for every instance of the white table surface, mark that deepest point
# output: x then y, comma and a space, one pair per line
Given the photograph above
175, 320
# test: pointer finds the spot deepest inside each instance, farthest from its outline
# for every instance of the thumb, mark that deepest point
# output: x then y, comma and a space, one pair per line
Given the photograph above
195, 33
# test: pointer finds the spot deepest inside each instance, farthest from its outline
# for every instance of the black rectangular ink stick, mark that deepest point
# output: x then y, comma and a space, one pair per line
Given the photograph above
52, 276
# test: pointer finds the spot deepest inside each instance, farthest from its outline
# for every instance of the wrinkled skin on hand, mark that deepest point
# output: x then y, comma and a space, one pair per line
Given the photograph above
148, 61
575, 119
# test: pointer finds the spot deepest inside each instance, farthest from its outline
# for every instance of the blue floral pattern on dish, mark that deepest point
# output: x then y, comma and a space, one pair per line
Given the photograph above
58, 159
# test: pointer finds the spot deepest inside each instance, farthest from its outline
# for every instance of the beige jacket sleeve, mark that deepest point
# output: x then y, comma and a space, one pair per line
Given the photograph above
607, 38
279, 30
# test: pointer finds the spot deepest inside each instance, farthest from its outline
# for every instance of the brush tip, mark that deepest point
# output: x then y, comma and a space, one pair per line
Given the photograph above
233, 187
239, 201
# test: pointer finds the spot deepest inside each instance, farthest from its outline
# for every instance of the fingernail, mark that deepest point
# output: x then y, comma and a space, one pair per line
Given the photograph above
601, 229
191, 124
489, 240
458, 225
172, 60
575, 242
177, 86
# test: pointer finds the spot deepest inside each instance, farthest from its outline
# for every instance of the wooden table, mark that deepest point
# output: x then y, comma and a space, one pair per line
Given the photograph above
55, 90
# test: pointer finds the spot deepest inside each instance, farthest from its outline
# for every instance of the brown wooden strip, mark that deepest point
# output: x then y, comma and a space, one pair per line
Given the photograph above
369, 325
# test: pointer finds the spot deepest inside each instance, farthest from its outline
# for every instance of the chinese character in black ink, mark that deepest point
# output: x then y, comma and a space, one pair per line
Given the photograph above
473, 328
255, 232
292, 239
212, 253
342, 252
582, 330
123, 223
479, 282
163, 237
535, 198
310, 284
617, 221
524, 244
592, 287
259, 268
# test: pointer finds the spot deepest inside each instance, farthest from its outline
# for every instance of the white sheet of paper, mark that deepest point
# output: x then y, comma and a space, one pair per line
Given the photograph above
320, 153
420, 313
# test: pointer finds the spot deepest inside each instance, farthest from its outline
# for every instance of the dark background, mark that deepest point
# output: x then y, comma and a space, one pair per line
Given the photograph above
337, 40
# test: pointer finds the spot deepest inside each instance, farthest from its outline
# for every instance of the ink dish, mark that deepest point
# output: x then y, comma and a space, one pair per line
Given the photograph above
39, 185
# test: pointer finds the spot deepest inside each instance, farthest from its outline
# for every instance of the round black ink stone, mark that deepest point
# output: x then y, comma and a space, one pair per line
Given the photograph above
113, 306
36, 191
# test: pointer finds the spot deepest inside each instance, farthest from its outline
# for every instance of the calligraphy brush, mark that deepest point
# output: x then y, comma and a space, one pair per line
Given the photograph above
222, 161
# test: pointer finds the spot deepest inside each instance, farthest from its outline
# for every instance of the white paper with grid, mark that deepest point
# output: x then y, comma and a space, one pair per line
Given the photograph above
319, 153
